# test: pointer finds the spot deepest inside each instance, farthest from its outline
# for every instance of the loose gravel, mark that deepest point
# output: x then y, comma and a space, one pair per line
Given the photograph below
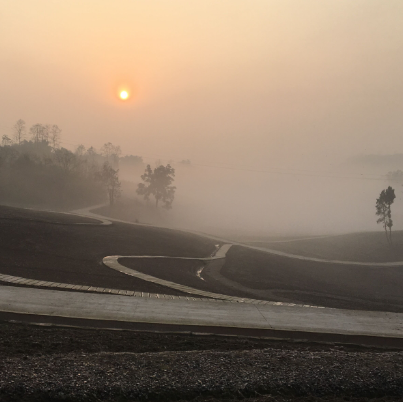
283, 371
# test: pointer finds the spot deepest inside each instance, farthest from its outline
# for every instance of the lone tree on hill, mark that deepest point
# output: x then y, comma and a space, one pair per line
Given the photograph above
110, 180
157, 183
384, 212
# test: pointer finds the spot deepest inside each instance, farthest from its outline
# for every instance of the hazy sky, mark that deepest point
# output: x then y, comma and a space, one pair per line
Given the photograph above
262, 82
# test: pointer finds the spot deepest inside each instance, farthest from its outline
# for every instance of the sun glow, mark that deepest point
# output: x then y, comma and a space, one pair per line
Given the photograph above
124, 95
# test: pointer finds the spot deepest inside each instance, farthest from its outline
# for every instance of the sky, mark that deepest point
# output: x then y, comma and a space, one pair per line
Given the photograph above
260, 83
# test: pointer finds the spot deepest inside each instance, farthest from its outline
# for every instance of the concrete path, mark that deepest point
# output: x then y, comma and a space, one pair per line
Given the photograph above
112, 262
183, 312
202, 295
86, 212
18, 280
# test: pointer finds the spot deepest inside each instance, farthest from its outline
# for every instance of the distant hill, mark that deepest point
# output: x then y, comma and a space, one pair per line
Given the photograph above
382, 161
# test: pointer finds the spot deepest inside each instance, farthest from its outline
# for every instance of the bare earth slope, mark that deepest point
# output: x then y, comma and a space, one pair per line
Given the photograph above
365, 247
325, 284
34, 245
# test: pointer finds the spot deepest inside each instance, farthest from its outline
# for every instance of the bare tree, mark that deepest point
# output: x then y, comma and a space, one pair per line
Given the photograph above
54, 136
46, 132
111, 153
19, 131
92, 161
36, 132
80, 150
110, 180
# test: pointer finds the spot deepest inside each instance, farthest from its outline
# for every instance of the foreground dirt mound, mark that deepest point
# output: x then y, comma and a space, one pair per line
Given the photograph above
59, 364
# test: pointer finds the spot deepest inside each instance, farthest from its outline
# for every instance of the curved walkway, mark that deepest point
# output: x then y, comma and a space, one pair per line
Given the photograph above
86, 212
205, 296
17, 280
113, 262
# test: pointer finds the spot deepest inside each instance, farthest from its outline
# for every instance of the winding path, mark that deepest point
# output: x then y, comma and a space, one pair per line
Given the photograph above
112, 262
85, 212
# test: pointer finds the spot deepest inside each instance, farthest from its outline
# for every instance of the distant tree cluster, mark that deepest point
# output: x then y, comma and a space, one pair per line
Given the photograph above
131, 161
37, 133
36, 170
395, 176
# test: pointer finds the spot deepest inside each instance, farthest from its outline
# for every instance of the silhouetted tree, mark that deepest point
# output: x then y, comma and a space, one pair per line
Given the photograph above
65, 159
383, 204
19, 131
6, 140
36, 132
54, 136
157, 183
110, 180
111, 153
80, 150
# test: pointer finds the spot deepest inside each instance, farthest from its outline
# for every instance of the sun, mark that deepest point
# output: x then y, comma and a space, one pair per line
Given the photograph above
124, 95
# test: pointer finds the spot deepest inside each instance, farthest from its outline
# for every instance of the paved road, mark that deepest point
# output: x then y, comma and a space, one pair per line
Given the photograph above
183, 312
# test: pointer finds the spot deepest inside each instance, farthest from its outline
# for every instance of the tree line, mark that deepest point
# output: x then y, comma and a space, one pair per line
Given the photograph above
36, 170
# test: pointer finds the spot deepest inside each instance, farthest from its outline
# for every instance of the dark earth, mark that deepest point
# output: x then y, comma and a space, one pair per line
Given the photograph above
362, 246
329, 285
33, 246
71, 364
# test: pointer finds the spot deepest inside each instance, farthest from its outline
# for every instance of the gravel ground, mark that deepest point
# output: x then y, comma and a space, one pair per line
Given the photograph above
89, 365
171, 375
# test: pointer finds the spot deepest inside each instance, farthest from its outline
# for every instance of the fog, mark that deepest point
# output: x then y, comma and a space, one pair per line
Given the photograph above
247, 204
268, 99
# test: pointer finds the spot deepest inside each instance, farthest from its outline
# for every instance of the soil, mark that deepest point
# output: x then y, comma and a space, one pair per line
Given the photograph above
362, 247
33, 246
26, 214
184, 272
71, 364
329, 285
